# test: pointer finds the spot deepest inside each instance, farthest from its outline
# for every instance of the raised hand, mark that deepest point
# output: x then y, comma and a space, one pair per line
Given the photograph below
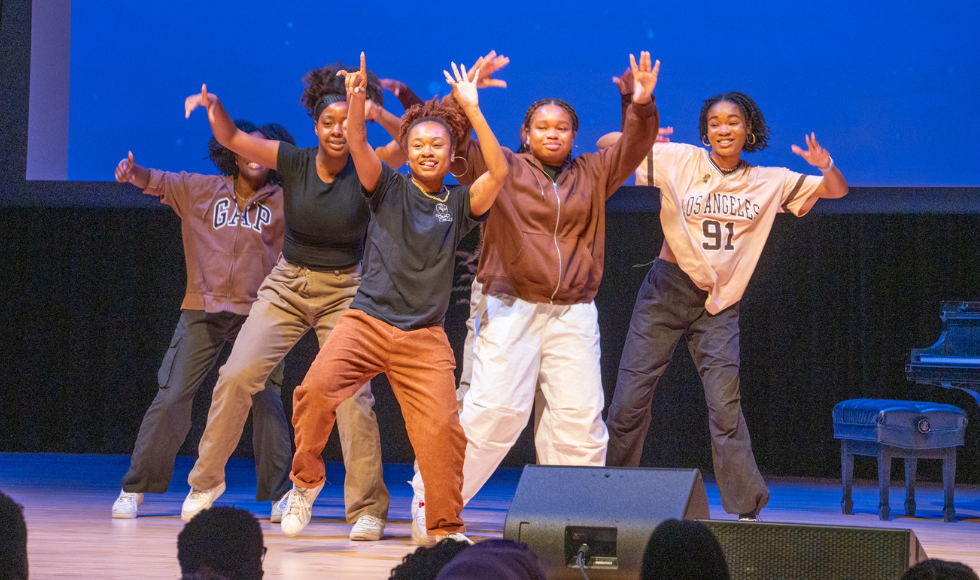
625, 82
487, 65
395, 86
464, 86
196, 100
355, 82
815, 154
124, 171
644, 77
663, 136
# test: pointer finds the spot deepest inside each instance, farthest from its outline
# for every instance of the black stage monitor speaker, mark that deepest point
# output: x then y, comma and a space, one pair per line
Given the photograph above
765, 551
611, 509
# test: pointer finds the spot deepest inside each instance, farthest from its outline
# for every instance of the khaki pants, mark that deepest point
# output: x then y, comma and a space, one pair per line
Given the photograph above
291, 301
419, 365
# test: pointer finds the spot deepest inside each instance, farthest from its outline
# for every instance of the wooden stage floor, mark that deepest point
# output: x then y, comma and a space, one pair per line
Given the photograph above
67, 501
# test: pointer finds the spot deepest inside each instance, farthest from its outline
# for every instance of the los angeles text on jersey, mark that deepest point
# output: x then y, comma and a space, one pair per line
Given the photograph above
226, 213
720, 204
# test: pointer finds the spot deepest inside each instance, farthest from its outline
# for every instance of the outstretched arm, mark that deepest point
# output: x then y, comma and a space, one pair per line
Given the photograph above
265, 152
833, 185
366, 160
484, 190
405, 95
129, 172
392, 153
487, 65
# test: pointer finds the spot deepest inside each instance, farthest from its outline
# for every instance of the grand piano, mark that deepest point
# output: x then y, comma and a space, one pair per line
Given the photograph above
954, 361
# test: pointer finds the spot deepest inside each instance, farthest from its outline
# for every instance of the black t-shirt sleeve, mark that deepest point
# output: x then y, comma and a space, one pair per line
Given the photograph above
461, 196
386, 180
287, 160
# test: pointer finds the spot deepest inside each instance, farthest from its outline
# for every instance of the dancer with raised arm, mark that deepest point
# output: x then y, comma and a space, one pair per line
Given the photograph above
394, 325
716, 212
540, 266
232, 229
311, 286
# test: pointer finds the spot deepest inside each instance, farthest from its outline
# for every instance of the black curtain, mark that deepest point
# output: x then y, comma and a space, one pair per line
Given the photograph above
91, 297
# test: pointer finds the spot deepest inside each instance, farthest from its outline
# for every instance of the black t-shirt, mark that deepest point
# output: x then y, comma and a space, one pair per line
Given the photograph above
410, 255
551, 170
325, 222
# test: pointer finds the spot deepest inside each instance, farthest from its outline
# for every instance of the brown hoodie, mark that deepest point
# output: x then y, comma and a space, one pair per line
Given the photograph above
544, 241
228, 253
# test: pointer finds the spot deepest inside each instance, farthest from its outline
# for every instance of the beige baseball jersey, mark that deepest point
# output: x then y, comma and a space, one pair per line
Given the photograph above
715, 224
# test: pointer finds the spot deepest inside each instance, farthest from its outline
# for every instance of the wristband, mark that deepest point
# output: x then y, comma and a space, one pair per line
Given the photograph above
829, 166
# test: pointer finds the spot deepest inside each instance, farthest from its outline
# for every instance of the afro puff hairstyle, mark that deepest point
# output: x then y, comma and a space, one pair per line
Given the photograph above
324, 81
447, 113
753, 117
224, 158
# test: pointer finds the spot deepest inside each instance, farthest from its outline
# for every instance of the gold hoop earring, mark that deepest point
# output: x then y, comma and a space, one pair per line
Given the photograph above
465, 164
704, 140
752, 140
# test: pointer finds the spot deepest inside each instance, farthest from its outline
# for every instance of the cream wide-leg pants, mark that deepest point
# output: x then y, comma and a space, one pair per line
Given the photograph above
527, 352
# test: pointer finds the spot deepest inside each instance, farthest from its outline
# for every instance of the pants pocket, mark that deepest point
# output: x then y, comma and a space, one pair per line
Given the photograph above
163, 376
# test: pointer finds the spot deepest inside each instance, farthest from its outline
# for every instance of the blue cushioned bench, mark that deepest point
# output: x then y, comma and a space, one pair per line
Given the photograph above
911, 430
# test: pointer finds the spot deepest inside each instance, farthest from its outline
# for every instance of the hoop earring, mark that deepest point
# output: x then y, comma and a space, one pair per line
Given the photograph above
752, 140
704, 140
465, 164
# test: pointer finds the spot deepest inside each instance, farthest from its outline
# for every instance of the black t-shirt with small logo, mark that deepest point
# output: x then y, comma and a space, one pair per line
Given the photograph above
410, 252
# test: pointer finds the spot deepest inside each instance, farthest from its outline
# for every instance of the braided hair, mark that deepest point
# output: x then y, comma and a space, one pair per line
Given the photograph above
750, 111
537, 105
224, 158
446, 113
324, 88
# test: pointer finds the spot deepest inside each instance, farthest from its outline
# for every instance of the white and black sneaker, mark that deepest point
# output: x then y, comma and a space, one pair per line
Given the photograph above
278, 508
124, 508
299, 509
198, 500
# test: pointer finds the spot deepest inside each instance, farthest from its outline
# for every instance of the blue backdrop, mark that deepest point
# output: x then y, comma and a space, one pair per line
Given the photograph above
886, 86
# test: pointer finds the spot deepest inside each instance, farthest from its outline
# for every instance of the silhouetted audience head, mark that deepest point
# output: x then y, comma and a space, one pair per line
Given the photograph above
425, 563
940, 570
203, 575
494, 560
223, 540
683, 550
13, 540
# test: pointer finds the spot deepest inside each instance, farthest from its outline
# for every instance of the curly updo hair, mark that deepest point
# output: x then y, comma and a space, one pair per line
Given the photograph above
324, 88
224, 158
446, 113
751, 114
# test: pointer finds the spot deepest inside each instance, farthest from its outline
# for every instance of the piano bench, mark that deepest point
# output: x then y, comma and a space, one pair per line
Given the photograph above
911, 430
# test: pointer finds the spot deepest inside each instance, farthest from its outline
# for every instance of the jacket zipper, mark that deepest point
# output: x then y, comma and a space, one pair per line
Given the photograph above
557, 219
234, 251
555, 235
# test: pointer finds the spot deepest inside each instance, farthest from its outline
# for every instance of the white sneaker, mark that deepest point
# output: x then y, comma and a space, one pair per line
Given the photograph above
299, 509
458, 536
198, 500
278, 508
419, 534
124, 508
367, 529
